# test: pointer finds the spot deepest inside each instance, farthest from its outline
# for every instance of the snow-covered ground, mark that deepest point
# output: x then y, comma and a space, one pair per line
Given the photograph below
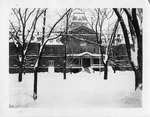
80, 90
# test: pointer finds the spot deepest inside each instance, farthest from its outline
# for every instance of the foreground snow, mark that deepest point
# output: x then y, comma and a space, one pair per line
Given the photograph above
81, 90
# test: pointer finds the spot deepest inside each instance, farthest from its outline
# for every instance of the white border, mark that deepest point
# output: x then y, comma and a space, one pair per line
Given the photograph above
109, 112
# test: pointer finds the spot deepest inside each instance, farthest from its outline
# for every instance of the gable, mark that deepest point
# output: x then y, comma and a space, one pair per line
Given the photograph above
86, 54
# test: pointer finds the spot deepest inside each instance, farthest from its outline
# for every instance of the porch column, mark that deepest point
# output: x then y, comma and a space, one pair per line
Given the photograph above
91, 61
81, 61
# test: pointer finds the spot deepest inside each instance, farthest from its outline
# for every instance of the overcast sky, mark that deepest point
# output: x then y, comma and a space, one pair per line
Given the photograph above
54, 14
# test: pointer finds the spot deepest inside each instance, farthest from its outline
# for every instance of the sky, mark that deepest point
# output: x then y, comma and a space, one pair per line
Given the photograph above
54, 14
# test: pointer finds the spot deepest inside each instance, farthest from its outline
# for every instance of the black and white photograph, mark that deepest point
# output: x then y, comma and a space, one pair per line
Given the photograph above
76, 58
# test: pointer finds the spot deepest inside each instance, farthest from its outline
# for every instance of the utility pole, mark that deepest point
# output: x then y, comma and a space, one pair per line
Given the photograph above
44, 23
65, 57
99, 60
66, 37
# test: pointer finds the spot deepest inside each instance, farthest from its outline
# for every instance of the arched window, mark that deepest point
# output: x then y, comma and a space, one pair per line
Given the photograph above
58, 51
44, 51
94, 50
51, 50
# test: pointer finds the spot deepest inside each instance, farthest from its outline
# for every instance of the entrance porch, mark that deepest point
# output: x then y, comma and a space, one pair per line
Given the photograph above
84, 60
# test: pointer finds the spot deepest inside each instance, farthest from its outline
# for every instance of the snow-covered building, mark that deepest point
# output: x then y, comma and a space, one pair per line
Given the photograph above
81, 49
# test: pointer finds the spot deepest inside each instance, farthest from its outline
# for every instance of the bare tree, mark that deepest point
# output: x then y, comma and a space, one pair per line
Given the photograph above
135, 54
26, 31
100, 16
45, 39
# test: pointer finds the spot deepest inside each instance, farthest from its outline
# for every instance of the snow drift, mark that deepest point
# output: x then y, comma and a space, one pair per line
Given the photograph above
80, 90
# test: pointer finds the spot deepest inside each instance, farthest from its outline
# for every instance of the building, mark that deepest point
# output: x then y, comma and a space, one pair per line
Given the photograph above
81, 50
53, 54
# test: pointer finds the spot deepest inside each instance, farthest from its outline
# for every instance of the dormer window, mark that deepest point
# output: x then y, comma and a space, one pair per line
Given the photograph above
83, 18
79, 19
74, 17
50, 41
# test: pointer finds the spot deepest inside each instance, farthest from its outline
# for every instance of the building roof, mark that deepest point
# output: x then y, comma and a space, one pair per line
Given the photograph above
82, 30
84, 54
54, 42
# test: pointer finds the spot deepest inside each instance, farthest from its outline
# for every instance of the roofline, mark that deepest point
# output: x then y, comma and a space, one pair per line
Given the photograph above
82, 54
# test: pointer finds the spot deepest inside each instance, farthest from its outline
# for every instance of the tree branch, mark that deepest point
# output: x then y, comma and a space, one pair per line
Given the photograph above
19, 12
25, 14
29, 15
125, 32
57, 22
16, 16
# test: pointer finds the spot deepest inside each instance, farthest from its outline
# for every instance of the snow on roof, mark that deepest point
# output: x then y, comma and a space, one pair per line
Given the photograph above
84, 54
54, 42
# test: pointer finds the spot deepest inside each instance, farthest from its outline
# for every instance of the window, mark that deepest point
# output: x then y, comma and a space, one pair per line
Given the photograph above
83, 18
81, 50
76, 61
50, 41
83, 44
58, 51
44, 51
94, 50
95, 61
51, 50
51, 62
58, 40
74, 18
80, 19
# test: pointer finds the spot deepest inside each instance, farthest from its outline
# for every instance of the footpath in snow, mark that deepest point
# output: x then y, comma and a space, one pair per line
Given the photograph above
80, 90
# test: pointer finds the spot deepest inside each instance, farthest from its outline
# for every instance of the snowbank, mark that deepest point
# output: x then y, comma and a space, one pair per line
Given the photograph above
80, 90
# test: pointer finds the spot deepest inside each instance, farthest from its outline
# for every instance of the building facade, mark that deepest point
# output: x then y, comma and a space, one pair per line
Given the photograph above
81, 50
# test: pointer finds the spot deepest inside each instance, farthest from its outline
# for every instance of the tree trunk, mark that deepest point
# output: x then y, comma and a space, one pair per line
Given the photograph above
138, 78
136, 81
35, 83
138, 72
36, 73
20, 69
136, 32
105, 71
20, 74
